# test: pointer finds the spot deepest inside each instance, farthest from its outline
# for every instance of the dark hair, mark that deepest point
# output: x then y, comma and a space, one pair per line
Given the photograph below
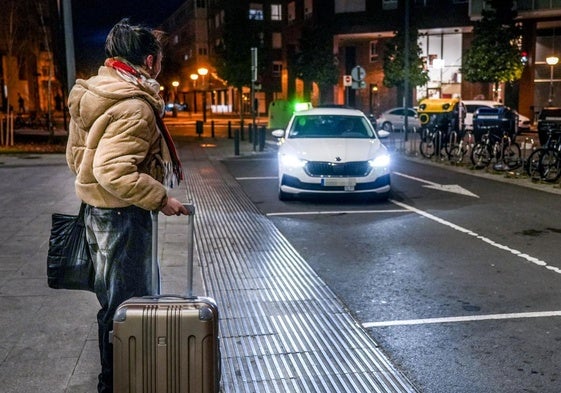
132, 42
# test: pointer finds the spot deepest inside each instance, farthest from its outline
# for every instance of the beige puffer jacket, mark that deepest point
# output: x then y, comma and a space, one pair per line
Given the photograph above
114, 145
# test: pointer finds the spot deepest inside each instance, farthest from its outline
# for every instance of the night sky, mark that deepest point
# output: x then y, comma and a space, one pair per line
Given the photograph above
94, 19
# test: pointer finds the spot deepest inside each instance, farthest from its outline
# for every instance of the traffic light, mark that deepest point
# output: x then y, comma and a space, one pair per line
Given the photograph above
524, 57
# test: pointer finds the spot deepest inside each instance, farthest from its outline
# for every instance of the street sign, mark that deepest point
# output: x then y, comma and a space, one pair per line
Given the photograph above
347, 80
358, 73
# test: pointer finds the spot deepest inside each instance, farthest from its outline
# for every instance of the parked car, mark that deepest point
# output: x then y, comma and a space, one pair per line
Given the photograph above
394, 119
524, 123
332, 151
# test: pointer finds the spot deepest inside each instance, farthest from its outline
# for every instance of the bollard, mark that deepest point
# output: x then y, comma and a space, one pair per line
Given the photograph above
236, 142
212, 128
229, 129
242, 131
250, 133
262, 136
255, 138
199, 128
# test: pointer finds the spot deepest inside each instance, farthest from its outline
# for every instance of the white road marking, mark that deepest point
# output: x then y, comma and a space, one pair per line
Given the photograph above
539, 314
439, 187
337, 212
257, 178
517, 253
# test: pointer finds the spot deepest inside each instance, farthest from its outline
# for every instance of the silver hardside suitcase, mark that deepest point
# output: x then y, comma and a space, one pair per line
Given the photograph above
167, 343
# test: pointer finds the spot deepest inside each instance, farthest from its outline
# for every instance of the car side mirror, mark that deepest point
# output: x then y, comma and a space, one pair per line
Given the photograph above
383, 134
278, 133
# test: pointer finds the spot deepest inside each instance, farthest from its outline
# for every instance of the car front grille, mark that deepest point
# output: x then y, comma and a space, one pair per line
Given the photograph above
350, 169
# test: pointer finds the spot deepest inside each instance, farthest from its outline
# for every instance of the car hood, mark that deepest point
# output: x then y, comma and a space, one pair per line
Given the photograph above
333, 149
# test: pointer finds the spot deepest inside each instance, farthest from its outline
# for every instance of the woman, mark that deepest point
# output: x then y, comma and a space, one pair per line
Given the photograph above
124, 161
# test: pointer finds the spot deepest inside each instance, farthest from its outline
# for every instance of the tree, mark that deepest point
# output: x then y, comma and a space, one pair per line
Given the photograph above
495, 55
315, 61
394, 61
233, 62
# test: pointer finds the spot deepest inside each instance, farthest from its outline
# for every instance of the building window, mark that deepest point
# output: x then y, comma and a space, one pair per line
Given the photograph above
389, 4
291, 12
202, 51
373, 51
255, 11
175, 39
277, 69
308, 8
276, 12
276, 40
345, 6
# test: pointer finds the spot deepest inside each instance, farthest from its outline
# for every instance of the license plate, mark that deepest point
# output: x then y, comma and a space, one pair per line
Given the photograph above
348, 182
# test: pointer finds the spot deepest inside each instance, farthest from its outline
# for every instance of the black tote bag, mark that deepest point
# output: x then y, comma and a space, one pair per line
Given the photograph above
69, 264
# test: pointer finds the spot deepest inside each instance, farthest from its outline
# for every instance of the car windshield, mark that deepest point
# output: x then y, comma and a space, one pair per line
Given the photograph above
330, 126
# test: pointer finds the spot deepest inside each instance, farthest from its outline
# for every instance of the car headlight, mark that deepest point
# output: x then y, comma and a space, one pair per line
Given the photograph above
381, 161
292, 161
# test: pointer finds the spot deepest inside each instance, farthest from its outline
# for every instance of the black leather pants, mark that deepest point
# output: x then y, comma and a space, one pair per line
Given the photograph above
120, 241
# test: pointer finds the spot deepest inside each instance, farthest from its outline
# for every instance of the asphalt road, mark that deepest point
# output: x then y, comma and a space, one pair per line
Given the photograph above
457, 277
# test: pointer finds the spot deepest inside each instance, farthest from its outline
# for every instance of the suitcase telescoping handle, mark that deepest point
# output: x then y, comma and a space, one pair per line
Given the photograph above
190, 247
156, 283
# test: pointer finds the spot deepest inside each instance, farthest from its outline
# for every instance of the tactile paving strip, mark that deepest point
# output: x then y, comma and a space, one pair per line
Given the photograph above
282, 328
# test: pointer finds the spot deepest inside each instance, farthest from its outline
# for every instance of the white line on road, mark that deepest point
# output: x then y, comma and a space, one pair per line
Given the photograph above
470, 318
517, 253
257, 178
338, 212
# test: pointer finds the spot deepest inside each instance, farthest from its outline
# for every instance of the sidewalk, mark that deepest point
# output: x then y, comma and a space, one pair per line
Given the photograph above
282, 328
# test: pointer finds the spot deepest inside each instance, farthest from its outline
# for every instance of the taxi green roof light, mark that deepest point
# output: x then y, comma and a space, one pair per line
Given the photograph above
301, 106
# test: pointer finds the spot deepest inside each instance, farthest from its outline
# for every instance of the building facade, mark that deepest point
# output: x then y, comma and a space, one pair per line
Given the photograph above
540, 84
28, 74
359, 32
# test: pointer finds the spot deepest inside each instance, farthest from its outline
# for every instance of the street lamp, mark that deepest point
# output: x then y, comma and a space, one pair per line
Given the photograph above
551, 61
203, 72
194, 78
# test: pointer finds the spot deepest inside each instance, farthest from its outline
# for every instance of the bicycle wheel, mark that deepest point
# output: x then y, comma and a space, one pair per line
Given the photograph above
451, 143
458, 152
550, 166
511, 156
427, 148
533, 164
480, 155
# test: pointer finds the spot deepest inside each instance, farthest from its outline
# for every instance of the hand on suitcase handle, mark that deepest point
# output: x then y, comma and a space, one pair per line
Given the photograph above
173, 206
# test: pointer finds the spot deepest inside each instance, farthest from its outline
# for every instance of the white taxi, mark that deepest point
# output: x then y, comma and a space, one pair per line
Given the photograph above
332, 151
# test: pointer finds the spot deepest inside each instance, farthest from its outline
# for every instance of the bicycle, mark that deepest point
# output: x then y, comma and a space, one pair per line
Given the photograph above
549, 166
534, 165
459, 146
432, 142
500, 148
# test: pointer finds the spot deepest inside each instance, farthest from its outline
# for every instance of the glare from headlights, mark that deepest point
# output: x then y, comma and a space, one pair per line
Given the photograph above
292, 161
380, 161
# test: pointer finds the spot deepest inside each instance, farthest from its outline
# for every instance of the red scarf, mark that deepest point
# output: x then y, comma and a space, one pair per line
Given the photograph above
133, 72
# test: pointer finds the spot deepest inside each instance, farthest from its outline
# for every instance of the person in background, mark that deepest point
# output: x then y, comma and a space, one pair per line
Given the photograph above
21, 104
124, 161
